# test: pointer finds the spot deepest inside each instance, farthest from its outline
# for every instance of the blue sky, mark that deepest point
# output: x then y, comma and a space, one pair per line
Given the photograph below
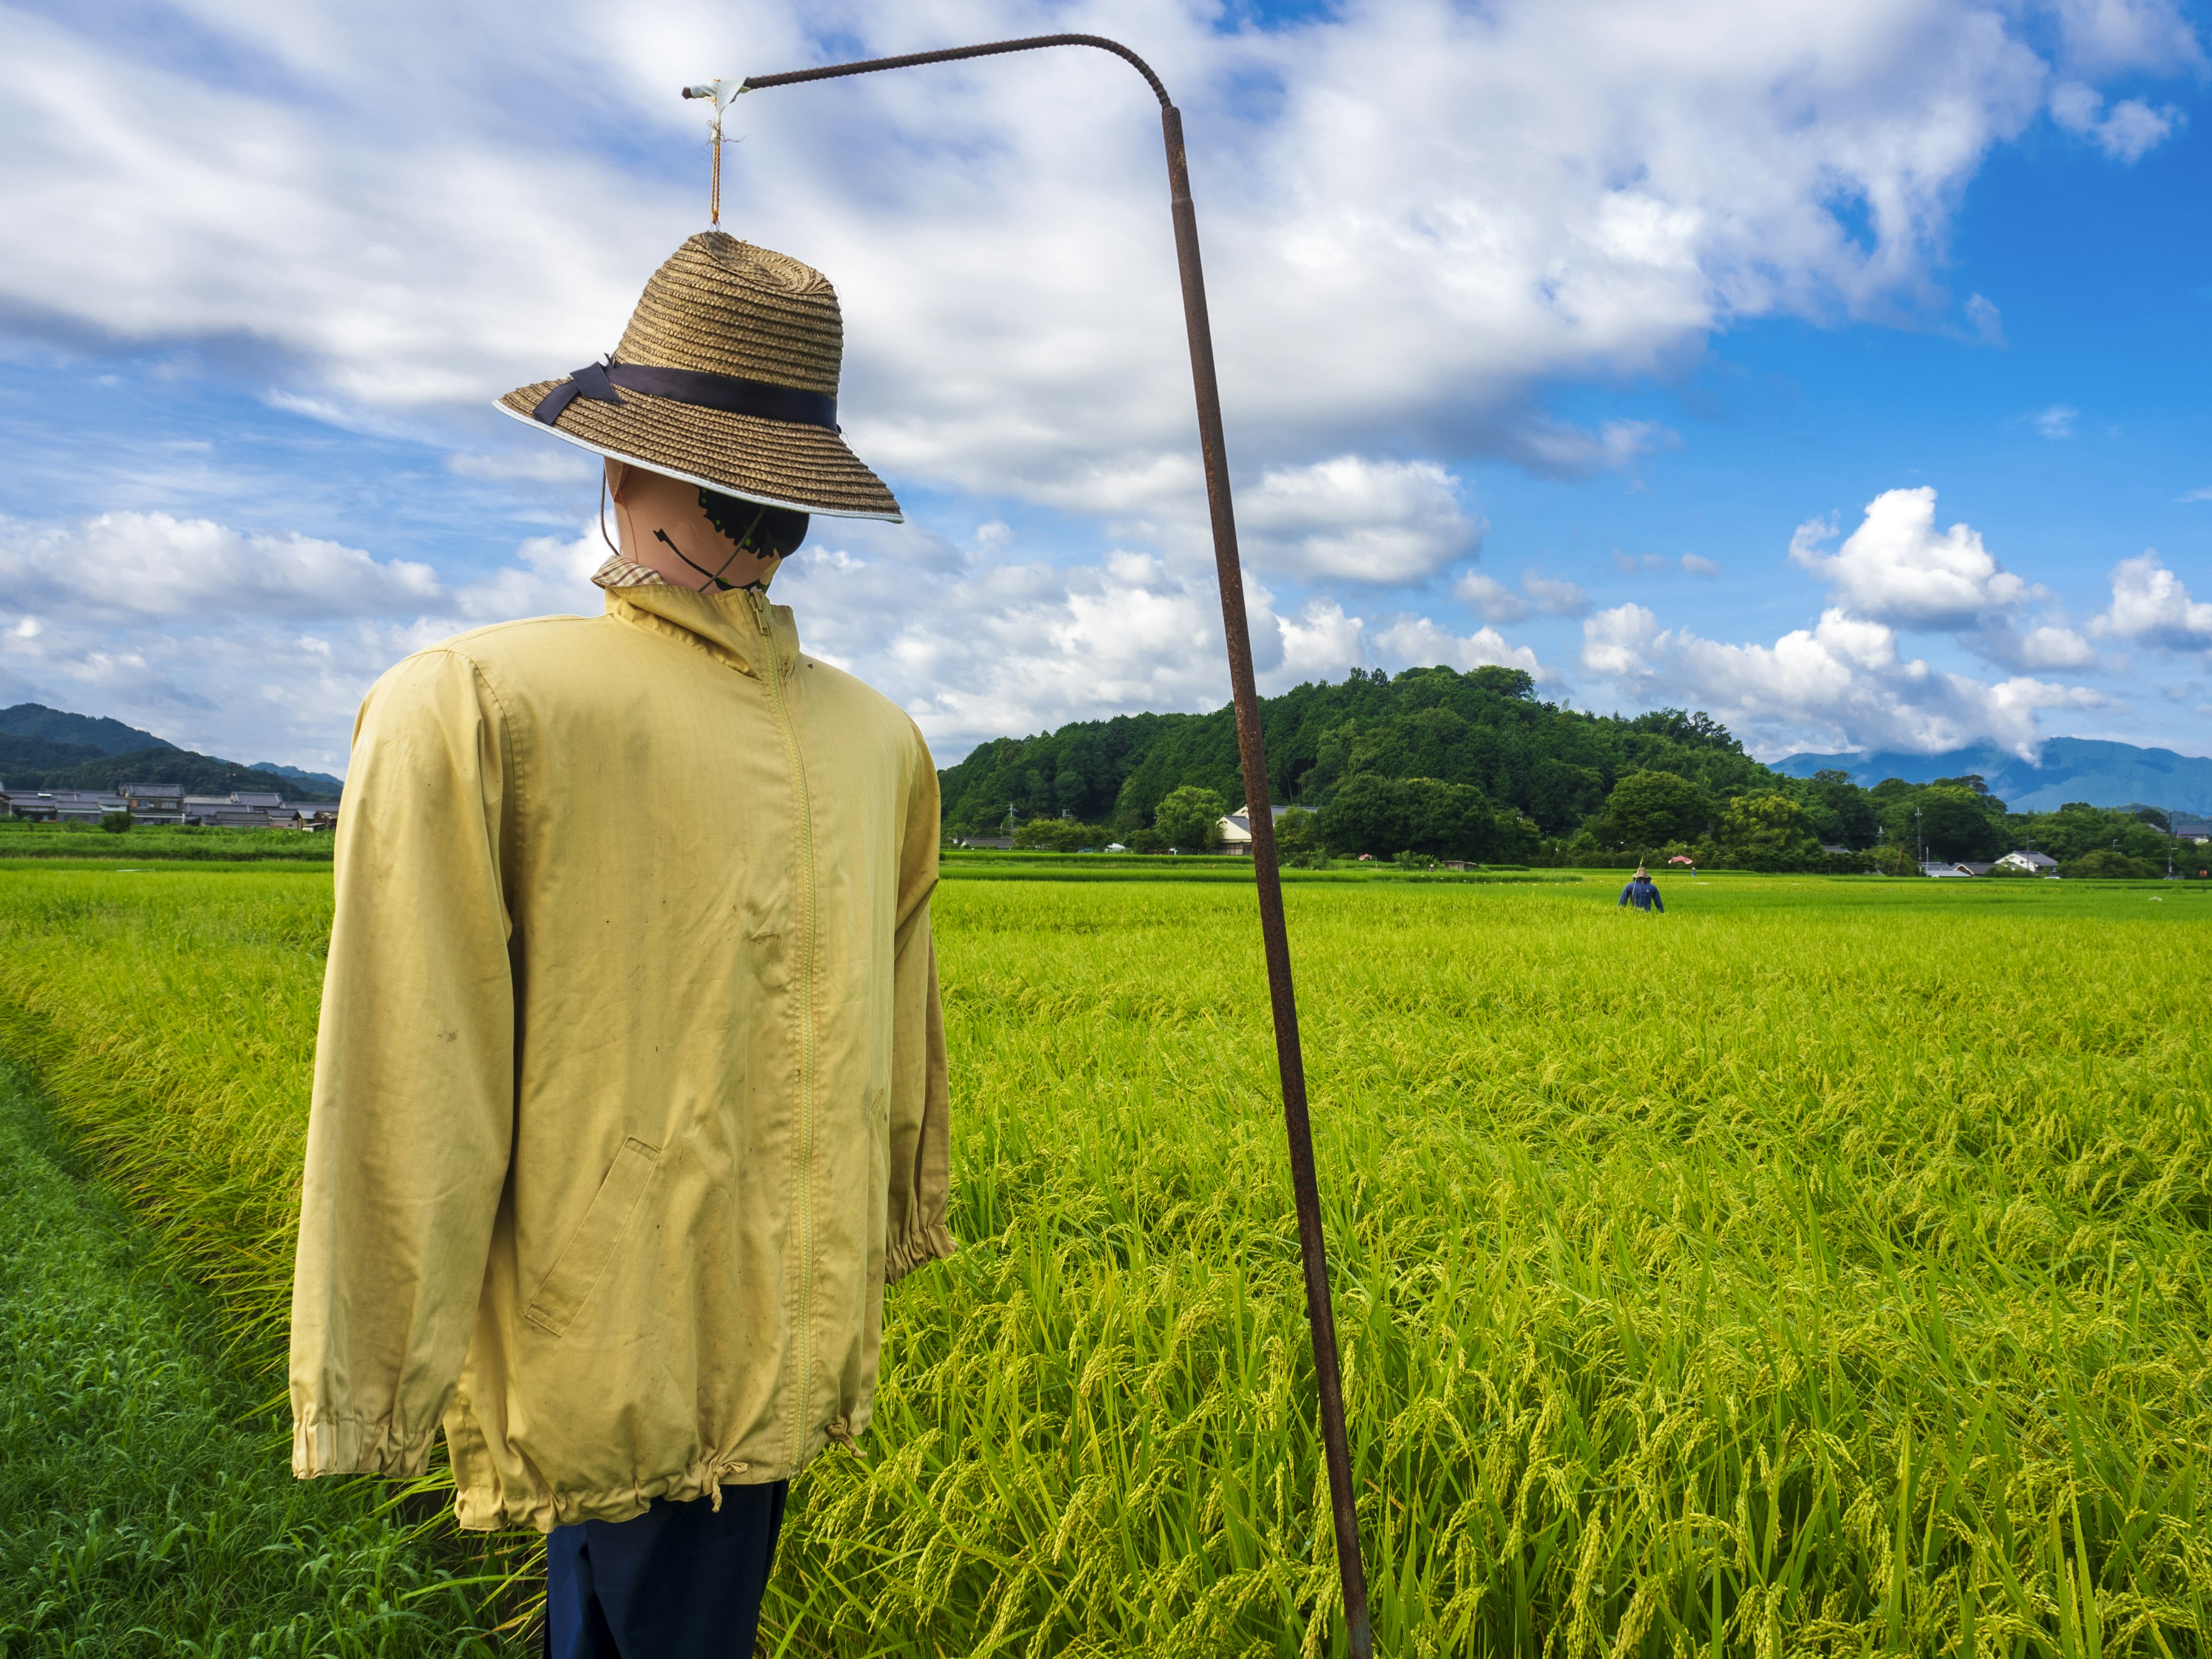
1620, 342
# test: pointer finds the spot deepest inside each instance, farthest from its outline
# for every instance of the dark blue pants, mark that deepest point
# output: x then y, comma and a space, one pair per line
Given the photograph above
679, 1582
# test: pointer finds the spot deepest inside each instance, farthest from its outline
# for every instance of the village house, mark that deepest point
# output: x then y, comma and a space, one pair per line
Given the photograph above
2034, 864
1236, 828
167, 804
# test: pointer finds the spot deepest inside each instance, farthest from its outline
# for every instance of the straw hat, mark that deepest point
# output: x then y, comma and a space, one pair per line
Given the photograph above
727, 378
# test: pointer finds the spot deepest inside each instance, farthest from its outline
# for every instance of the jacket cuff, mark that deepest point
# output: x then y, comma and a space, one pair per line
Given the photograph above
347, 1445
924, 1244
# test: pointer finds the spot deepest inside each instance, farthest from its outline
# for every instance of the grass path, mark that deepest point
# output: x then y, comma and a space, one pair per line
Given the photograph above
145, 1506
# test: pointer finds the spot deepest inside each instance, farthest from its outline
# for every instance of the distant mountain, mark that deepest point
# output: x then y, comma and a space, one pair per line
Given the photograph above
109, 737
322, 783
43, 748
2071, 768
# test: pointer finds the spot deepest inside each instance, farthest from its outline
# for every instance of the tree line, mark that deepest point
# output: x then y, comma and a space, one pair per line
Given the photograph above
1434, 762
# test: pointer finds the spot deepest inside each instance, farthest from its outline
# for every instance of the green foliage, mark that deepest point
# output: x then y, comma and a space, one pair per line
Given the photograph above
115, 823
1842, 812
1958, 818
1298, 840
2103, 863
1768, 831
2075, 829
1485, 729
1060, 836
1766, 1283
1370, 813
1189, 819
20, 838
1649, 810
146, 1504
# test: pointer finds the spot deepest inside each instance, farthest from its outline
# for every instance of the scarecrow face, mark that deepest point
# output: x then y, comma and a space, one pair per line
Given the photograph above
697, 538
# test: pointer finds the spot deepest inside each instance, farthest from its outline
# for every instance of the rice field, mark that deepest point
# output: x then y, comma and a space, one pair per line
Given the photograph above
1819, 1269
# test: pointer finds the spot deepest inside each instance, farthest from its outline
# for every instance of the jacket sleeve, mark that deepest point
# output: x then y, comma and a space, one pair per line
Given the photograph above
1658, 903
920, 1129
410, 1130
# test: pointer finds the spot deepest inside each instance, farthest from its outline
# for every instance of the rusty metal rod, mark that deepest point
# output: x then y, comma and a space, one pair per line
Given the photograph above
1320, 1317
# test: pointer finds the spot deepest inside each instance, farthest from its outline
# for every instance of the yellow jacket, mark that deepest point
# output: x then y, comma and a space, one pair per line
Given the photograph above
629, 1091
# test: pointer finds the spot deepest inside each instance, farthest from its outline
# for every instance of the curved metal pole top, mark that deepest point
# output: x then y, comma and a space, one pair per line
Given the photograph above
1029, 43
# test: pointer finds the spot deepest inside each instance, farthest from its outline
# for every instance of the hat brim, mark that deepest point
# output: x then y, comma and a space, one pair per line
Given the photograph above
781, 463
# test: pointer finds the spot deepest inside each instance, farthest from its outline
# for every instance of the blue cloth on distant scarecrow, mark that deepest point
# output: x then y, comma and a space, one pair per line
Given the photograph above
1644, 893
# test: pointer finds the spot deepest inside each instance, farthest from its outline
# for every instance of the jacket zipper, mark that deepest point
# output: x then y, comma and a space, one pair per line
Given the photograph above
799, 1418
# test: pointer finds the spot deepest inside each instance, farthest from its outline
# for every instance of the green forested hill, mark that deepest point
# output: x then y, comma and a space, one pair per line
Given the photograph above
1476, 766
1485, 728
33, 763
43, 748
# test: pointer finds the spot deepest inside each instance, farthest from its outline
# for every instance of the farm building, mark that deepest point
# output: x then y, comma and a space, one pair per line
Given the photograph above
1236, 828
161, 803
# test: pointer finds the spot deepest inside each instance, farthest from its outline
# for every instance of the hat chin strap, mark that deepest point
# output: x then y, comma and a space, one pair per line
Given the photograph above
716, 576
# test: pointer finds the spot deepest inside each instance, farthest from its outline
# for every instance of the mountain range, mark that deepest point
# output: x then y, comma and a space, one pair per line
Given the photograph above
2090, 769
43, 748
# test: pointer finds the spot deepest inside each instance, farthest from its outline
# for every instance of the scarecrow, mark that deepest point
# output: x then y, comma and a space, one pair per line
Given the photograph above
630, 1090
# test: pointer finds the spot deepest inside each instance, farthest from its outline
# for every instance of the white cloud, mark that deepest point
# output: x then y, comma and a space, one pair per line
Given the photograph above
2204, 494
1490, 599
150, 564
1353, 520
2150, 607
191, 629
1418, 642
1842, 682
1697, 565
2132, 131
1895, 567
544, 464
1001, 644
2049, 646
1986, 321
1554, 596
1540, 595
1440, 211
2056, 422
2109, 36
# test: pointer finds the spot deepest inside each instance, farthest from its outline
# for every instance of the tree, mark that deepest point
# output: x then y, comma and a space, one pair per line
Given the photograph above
1190, 817
1650, 809
2104, 862
1060, 835
1486, 730
1841, 811
1768, 831
115, 823
1370, 813
1956, 820
1297, 841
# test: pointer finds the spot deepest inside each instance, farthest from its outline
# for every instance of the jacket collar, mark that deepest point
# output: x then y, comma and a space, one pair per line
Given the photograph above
729, 625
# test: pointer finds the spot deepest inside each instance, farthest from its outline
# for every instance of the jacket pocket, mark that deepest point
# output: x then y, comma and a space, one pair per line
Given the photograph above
583, 1260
